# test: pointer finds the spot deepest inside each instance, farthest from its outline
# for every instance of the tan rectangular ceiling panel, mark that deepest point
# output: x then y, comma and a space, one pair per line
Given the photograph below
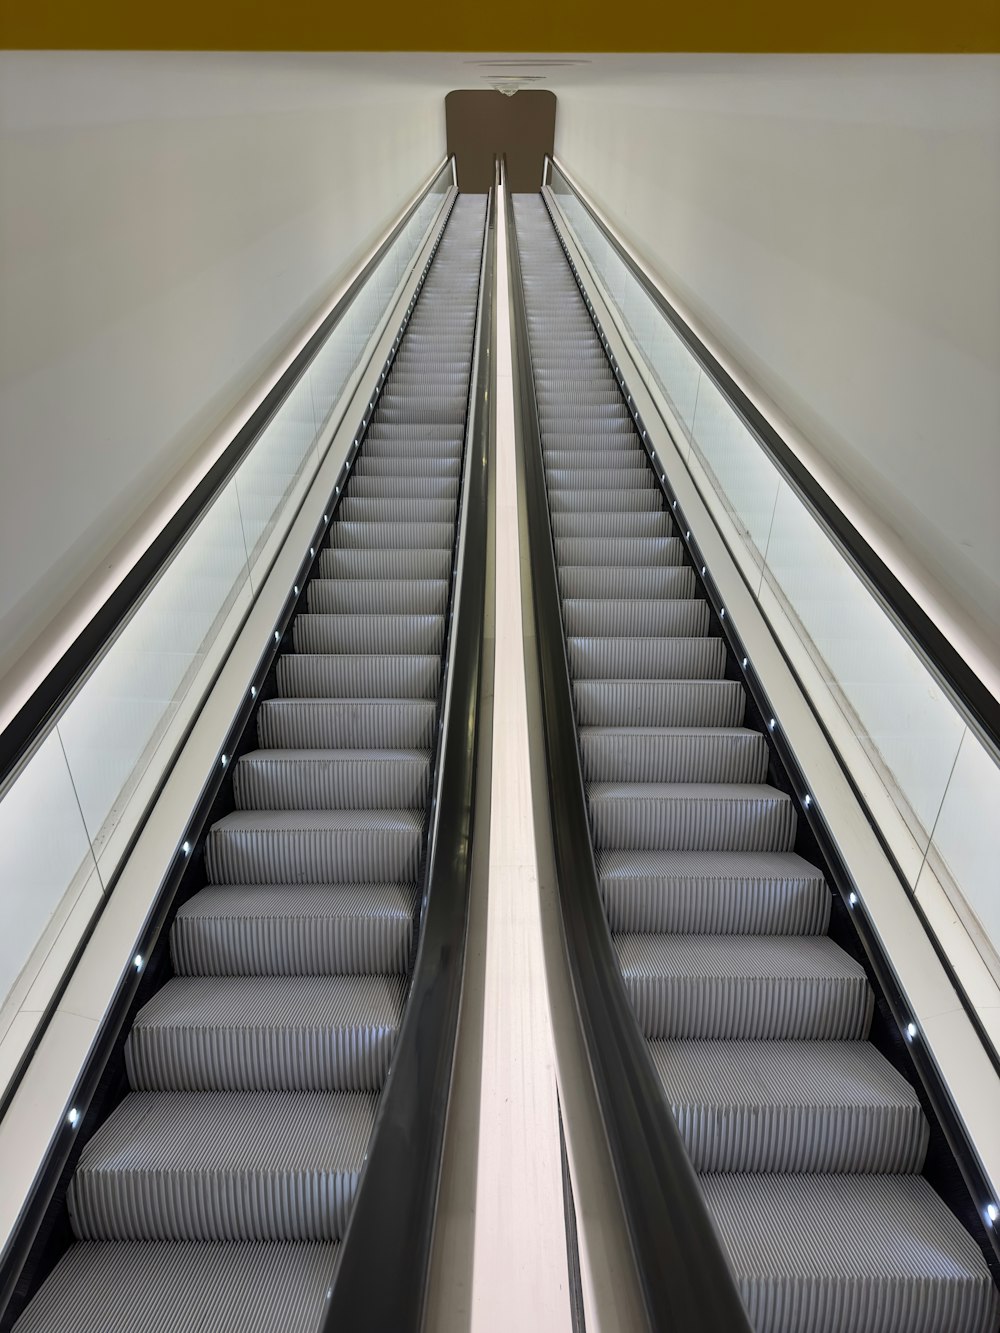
514, 25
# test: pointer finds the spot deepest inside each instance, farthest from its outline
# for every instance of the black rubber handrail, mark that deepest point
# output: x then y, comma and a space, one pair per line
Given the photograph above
37, 714
681, 1268
976, 701
380, 1283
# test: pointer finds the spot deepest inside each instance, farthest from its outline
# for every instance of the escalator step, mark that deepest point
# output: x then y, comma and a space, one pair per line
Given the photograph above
673, 754
332, 1034
388, 563
629, 551
597, 501
646, 659
751, 987
295, 929
605, 479
609, 523
647, 581
333, 779
659, 703
177, 1286
183, 1166
780, 1106
428, 488
415, 597
360, 724
348, 633
691, 816
713, 893
396, 509
600, 617
315, 847
359, 676
869, 1254
368, 535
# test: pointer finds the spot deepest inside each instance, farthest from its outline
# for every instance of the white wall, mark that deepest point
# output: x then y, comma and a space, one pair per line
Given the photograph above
167, 222
835, 222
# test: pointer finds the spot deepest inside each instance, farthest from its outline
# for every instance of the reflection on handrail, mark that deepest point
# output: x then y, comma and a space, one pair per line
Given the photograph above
916, 730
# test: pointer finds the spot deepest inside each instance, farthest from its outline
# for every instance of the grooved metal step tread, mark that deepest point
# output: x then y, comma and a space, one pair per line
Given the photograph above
620, 478
750, 987
315, 846
623, 500
630, 551
404, 724
378, 596
605, 523
738, 893
648, 582
814, 1106
366, 534
332, 779
868, 1254
692, 816
389, 563
395, 509
210, 1166
431, 488
295, 930
659, 703
359, 675
680, 657
367, 634
615, 618
382, 465
673, 755
178, 1286
327, 1033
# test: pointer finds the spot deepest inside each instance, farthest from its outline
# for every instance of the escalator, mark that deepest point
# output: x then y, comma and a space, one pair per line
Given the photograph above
217, 1193
810, 1145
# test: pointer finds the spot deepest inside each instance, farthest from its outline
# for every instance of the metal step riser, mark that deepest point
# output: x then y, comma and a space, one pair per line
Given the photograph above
751, 1009
597, 501
171, 1206
682, 703
356, 634
601, 523
373, 597
646, 659
708, 758
648, 583
711, 907
617, 551
365, 509
227, 1059
332, 784
600, 618
709, 825
364, 676
308, 856
353, 725
384, 536
422, 488
789, 1138
384, 564
285, 946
